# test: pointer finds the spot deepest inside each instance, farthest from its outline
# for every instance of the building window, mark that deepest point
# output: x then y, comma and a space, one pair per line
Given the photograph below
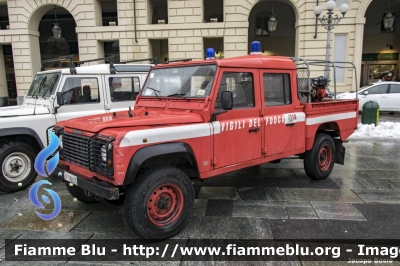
10, 74
341, 2
340, 56
159, 49
262, 24
4, 21
213, 10
109, 12
157, 11
277, 89
112, 49
217, 44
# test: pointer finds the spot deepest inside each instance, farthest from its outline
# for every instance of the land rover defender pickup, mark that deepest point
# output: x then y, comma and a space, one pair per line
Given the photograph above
200, 119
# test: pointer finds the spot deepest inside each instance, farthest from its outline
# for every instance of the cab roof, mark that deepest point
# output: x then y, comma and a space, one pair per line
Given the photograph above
247, 61
103, 69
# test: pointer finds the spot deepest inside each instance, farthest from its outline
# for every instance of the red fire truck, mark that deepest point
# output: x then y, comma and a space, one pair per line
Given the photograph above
199, 119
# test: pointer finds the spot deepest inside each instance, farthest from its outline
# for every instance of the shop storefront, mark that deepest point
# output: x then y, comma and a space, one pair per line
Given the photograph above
379, 66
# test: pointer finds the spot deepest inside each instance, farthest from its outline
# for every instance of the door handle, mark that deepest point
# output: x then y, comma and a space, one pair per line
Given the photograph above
290, 125
254, 129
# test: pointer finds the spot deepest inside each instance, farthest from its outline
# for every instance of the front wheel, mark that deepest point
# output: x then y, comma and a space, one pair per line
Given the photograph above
319, 161
160, 203
17, 166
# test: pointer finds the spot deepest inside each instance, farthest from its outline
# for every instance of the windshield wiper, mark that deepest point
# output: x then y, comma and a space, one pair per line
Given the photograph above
40, 86
155, 92
50, 87
178, 95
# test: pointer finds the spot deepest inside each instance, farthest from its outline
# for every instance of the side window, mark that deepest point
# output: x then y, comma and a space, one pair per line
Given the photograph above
124, 88
379, 89
242, 87
277, 89
394, 88
80, 90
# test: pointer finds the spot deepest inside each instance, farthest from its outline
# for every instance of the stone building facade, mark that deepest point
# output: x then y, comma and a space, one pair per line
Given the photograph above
187, 31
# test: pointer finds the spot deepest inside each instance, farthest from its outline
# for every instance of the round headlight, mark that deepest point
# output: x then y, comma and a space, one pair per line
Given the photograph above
103, 153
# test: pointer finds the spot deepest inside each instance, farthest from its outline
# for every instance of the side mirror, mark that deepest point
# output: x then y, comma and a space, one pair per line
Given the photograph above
60, 100
227, 100
365, 93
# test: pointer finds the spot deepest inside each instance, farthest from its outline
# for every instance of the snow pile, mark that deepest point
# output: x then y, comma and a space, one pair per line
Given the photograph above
389, 130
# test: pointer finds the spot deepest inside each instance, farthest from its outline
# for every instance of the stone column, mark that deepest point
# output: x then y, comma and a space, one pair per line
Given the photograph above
3, 80
26, 53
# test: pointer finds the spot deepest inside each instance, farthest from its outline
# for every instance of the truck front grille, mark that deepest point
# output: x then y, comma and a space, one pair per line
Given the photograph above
86, 151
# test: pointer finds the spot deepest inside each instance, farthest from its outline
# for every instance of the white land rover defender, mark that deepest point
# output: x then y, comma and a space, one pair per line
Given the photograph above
57, 95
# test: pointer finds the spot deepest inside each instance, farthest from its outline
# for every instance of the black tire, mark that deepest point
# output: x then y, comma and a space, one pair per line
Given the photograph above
17, 169
319, 161
172, 193
78, 193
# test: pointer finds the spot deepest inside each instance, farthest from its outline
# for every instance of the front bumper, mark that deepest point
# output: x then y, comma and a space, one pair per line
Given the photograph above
100, 189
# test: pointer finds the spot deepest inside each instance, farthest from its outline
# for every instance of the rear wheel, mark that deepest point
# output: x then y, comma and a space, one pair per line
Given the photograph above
319, 161
17, 166
160, 203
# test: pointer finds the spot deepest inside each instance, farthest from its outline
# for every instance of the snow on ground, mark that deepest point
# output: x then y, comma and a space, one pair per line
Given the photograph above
389, 130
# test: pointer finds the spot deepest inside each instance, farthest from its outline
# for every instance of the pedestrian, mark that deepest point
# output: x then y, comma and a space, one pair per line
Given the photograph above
389, 77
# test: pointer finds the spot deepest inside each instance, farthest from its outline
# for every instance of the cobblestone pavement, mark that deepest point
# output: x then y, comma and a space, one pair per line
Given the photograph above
360, 200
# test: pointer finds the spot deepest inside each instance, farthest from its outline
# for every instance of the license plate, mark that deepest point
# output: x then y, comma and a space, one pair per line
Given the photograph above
71, 178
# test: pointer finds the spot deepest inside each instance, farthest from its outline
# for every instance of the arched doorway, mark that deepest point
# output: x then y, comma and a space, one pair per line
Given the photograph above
282, 41
57, 36
381, 46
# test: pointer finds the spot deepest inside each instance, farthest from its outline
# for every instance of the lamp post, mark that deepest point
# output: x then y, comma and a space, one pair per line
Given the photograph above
329, 21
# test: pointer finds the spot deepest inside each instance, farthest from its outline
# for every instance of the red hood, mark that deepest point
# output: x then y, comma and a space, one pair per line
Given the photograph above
96, 123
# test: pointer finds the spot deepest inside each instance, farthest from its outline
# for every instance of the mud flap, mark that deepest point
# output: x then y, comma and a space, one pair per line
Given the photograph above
339, 152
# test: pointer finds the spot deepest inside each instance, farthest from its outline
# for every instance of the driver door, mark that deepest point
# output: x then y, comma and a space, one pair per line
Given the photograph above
240, 129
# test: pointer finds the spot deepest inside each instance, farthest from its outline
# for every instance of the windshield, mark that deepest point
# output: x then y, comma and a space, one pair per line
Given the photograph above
191, 81
43, 85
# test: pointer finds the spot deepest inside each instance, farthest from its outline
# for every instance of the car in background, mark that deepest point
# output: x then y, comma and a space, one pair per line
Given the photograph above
386, 94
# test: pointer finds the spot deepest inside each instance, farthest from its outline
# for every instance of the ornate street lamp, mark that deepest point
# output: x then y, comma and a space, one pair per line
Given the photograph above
329, 22
56, 44
388, 20
56, 29
273, 22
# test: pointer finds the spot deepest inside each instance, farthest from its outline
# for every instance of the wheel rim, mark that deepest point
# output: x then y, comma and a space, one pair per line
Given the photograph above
165, 204
325, 157
16, 167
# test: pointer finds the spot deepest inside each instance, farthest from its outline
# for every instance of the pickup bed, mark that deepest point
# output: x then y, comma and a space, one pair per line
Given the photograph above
198, 120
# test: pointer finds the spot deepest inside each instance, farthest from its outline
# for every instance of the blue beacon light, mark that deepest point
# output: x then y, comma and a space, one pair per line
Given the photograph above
255, 48
210, 54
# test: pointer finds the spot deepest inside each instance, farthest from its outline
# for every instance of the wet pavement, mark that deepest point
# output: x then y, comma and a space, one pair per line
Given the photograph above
360, 200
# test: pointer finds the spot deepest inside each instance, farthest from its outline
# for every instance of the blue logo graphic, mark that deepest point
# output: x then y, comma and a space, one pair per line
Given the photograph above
35, 201
45, 167
46, 153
